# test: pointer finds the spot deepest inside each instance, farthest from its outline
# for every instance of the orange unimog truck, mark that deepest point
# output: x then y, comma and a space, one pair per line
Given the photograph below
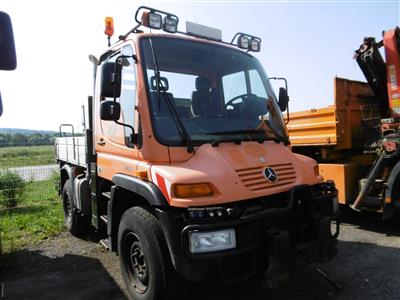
186, 166
357, 140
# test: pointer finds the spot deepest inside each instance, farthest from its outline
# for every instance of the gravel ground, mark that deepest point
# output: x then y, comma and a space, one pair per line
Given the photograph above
64, 267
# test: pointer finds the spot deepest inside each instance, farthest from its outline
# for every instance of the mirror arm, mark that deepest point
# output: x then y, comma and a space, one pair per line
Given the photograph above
281, 78
287, 93
117, 81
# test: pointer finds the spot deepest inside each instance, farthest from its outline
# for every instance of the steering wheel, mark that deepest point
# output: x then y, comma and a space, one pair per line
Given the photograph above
234, 106
249, 107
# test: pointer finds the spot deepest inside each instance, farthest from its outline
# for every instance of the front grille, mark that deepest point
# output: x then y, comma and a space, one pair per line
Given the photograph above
253, 178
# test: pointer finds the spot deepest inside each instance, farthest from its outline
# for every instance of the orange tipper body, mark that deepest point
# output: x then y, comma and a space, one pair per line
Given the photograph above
186, 163
357, 140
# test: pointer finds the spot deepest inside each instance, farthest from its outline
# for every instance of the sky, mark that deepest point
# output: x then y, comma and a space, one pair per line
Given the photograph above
307, 42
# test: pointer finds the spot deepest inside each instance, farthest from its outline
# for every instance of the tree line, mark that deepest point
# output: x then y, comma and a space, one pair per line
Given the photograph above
18, 139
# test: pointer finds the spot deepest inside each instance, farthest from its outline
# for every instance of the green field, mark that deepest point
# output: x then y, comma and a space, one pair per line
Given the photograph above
37, 216
11, 157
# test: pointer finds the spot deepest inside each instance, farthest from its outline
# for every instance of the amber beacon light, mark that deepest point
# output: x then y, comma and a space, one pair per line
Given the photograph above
109, 28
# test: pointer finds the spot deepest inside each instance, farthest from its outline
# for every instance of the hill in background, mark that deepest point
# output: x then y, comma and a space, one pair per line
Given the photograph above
26, 131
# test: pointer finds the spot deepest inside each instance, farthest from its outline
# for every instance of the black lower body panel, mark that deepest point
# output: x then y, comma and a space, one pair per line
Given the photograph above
274, 241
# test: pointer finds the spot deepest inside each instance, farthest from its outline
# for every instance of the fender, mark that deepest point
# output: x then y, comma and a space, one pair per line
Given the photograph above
70, 175
150, 193
146, 189
69, 170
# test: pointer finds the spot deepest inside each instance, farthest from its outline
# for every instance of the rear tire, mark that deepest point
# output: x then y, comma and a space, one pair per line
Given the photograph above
76, 222
144, 257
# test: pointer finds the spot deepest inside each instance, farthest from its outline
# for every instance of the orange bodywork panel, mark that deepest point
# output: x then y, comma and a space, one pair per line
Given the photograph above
233, 172
344, 176
336, 125
393, 70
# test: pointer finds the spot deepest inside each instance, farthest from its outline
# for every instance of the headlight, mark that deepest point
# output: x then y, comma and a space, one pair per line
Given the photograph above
200, 242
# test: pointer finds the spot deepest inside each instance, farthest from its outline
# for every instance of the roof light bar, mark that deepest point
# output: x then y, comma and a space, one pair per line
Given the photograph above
158, 19
247, 41
153, 18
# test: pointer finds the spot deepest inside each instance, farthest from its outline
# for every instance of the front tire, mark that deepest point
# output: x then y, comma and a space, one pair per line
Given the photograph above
76, 223
144, 256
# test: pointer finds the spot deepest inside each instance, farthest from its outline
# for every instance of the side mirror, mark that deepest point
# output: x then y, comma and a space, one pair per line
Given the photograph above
110, 85
8, 59
283, 99
110, 110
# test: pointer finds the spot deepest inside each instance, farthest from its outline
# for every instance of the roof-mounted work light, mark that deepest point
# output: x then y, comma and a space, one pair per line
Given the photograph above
153, 18
247, 41
170, 24
255, 45
243, 42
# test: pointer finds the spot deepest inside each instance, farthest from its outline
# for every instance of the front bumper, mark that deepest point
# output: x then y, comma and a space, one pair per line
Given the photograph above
293, 232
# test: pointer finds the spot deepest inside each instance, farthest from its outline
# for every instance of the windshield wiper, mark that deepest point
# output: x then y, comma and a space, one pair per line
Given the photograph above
281, 138
246, 131
235, 131
160, 88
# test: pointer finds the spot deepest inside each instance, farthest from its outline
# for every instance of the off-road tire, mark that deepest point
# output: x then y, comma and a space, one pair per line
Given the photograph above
76, 222
144, 258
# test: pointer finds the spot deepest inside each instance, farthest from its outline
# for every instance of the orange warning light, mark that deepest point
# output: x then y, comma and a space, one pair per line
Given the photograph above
109, 31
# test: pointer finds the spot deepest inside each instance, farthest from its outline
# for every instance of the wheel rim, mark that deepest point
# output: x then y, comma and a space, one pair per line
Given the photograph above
67, 207
136, 262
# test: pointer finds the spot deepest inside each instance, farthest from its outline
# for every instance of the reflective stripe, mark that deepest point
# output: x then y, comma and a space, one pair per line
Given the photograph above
162, 186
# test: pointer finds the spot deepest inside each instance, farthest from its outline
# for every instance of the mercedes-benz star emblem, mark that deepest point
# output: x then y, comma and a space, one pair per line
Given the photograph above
270, 175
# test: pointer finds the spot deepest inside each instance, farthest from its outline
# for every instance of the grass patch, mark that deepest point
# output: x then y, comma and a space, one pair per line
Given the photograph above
26, 156
37, 217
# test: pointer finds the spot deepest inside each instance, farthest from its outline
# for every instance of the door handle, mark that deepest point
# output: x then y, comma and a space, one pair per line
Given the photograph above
101, 142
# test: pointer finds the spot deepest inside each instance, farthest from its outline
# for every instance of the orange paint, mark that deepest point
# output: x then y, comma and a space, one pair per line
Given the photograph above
224, 167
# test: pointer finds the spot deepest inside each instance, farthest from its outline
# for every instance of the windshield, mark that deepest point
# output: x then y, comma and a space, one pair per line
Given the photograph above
218, 94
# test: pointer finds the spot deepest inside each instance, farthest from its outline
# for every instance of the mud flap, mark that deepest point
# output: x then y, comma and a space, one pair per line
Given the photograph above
325, 242
284, 261
280, 259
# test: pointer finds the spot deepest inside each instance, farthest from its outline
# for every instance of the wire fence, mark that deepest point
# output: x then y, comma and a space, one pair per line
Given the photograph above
30, 210
28, 171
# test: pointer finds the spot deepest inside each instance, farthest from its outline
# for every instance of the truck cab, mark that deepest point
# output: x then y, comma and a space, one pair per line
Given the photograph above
188, 168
